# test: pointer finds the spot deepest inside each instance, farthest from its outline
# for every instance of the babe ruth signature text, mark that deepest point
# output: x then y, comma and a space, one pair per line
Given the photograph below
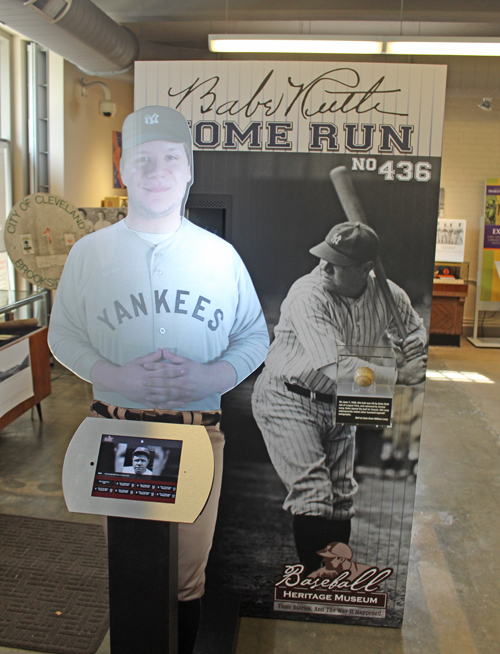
342, 84
231, 124
368, 582
166, 301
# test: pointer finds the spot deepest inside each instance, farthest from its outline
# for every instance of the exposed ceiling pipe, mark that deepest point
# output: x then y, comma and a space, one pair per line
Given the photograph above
75, 29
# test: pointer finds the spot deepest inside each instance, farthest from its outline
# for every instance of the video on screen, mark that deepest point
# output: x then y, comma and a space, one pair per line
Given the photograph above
135, 468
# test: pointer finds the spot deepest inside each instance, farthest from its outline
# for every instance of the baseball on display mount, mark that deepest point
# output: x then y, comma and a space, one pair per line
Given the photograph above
364, 377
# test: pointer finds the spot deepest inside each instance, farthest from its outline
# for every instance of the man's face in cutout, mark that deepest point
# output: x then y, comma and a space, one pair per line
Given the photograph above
156, 174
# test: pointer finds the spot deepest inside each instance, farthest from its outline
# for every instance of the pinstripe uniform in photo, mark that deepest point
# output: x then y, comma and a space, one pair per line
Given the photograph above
339, 304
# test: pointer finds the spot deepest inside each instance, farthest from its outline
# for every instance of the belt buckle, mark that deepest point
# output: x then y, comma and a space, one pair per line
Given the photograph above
313, 396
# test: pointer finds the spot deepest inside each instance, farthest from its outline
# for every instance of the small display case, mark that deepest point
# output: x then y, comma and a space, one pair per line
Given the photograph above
451, 273
366, 378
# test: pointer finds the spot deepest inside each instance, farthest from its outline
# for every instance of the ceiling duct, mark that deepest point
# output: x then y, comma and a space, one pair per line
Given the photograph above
75, 29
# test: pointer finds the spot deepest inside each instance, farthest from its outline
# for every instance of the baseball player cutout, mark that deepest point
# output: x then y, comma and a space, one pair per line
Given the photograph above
339, 304
161, 316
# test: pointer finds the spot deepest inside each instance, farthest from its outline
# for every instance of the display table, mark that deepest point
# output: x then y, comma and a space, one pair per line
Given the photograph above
40, 367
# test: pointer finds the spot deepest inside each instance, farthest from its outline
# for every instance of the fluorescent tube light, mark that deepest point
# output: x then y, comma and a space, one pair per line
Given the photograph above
291, 43
461, 48
324, 44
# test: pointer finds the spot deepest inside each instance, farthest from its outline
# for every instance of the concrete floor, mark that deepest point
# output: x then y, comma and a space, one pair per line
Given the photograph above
453, 594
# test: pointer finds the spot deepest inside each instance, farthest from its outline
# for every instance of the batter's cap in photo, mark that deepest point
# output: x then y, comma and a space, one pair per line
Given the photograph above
142, 450
348, 243
156, 123
335, 550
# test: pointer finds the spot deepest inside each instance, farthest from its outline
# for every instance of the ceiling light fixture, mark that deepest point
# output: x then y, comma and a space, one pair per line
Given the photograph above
293, 44
463, 46
325, 44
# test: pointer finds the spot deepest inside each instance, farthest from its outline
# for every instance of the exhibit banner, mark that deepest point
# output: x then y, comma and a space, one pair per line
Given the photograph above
490, 271
315, 515
325, 178
363, 108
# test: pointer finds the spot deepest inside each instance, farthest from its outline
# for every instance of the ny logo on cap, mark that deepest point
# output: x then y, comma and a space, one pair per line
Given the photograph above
336, 239
151, 119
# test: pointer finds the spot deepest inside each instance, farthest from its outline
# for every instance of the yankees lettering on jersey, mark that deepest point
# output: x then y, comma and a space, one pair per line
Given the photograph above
183, 302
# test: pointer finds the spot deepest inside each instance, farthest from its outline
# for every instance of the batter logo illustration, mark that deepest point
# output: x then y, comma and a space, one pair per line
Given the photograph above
151, 119
337, 558
341, 586
336, 239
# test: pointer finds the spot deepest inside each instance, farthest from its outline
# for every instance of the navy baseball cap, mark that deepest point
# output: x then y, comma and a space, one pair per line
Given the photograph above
348, 243
156, 123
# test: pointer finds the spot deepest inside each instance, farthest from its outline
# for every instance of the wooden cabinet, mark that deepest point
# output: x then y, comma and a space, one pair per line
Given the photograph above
448, 308
451, 285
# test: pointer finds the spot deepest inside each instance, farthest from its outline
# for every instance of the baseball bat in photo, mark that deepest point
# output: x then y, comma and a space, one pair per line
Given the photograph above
354, 211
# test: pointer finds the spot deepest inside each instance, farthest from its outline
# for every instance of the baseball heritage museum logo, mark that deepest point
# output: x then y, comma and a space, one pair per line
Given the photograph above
341, 587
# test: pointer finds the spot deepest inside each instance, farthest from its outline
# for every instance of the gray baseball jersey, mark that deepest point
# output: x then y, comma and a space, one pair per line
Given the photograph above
121, 297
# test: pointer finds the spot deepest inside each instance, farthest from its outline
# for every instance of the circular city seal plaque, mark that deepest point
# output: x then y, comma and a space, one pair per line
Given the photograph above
39, 233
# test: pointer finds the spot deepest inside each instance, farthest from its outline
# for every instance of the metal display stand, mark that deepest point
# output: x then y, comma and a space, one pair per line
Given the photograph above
142, 586
142, 533
481, 341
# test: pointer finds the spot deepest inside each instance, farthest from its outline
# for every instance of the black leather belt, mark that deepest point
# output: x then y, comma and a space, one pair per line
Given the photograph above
312, 395
205, 418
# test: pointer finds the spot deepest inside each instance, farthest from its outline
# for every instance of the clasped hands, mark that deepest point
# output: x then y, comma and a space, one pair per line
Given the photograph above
164, 380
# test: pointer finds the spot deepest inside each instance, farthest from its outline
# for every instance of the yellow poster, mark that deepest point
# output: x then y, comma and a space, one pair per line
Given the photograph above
490, 276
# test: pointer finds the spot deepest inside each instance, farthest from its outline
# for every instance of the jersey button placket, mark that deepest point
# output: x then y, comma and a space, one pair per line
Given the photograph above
159, 330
